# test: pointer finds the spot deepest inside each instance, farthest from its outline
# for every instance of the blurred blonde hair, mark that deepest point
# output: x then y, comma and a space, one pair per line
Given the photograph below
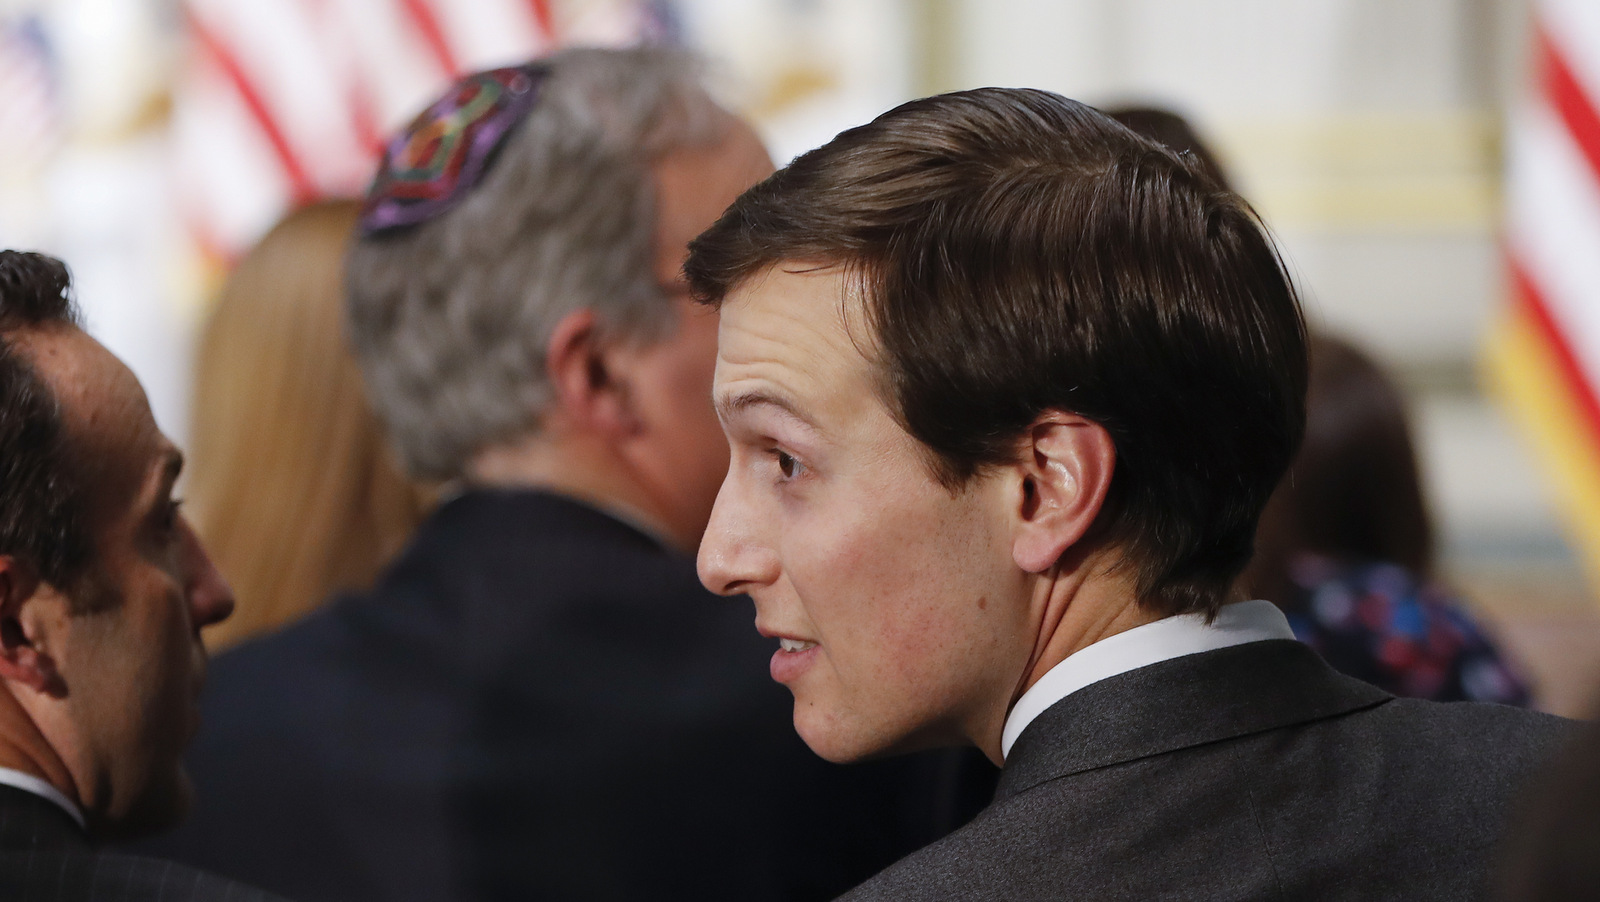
292, 485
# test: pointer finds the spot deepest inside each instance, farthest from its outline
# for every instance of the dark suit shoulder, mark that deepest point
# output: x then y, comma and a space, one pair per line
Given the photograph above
1395, 800
104, 877
1495, 730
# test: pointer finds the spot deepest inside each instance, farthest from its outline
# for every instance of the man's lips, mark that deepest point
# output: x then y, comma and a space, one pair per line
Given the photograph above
794, 655
788, 640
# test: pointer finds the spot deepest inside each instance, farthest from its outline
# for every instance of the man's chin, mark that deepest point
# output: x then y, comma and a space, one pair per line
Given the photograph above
830, 740
833, 739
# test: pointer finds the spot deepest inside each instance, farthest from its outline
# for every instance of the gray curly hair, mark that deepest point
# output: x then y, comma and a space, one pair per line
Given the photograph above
450, 319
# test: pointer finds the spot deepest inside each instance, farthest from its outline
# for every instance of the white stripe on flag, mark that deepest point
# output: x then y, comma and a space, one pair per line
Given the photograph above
487, 34
277, 46
1553, 226
1574, 27
392, 57
227, 176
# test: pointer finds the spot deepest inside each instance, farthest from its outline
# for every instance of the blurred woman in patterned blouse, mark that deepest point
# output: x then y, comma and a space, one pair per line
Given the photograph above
1346, 547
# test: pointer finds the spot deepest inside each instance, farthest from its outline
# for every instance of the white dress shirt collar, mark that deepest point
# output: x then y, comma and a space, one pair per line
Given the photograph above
29, 783
1163, 640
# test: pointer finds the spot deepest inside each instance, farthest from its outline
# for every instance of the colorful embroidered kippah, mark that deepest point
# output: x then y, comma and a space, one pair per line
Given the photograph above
442, 155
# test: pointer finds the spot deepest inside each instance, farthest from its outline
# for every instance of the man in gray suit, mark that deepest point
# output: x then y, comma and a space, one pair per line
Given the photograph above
103, 592
1006, 387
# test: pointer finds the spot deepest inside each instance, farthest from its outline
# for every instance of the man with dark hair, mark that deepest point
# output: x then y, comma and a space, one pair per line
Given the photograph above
538, 700
1006, 387
103, 593
1173, 132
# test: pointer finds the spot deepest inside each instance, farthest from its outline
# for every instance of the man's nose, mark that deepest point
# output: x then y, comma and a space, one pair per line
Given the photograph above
734, 556
210, 598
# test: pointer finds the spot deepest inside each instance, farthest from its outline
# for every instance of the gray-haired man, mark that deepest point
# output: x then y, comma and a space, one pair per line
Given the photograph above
537, 700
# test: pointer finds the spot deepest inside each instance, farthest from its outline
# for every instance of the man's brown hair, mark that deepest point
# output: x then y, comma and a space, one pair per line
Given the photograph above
42, 521
1020, 252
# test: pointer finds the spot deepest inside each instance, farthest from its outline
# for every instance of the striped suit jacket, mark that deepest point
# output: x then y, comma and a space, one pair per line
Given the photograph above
45, 857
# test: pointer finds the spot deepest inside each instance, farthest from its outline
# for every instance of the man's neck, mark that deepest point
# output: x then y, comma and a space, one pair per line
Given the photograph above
584, 471
24, 748
1080, 602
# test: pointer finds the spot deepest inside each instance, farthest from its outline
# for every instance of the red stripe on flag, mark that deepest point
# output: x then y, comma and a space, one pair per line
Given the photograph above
364, 116
300, 182
1570, 100
432, 34
359, 102
541, 14
1564, 358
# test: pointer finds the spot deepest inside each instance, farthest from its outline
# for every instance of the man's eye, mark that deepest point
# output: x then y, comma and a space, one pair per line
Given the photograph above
787, 465
169, 515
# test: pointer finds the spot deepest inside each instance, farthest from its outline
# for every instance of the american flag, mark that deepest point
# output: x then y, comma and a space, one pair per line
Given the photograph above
1545, 359
283, 102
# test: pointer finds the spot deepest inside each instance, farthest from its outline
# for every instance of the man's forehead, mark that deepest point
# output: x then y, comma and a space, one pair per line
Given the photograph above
103, 407
81, 372
792, 336
59, 352
808, 301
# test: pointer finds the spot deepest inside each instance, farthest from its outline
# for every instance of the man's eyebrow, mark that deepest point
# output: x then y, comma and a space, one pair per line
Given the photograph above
161, 479
730, 405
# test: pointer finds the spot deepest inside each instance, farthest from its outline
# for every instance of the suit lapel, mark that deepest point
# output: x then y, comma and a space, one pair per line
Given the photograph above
1179, 704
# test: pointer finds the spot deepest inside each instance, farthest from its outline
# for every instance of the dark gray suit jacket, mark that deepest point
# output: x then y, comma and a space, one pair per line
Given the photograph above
1253, 772
44, 857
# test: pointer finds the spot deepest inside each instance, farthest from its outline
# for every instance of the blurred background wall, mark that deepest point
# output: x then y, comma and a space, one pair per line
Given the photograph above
149, 141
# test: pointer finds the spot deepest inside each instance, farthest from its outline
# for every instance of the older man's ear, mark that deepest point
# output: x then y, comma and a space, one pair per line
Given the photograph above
1057, 486
29, 615
590, 395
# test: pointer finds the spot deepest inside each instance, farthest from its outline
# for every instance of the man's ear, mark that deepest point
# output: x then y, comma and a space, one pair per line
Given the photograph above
23, 598
582, 367
1063, 473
